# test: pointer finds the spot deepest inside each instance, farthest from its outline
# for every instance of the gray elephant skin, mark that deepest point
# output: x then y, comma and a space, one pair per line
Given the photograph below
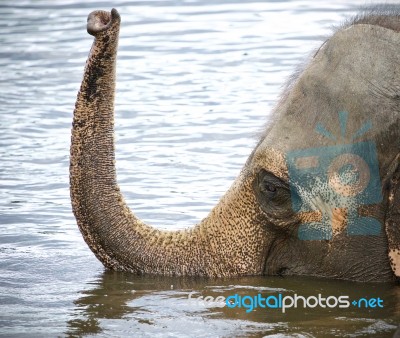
318, 196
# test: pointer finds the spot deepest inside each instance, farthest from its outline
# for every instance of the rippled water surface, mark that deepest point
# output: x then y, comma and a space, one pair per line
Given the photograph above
196, 82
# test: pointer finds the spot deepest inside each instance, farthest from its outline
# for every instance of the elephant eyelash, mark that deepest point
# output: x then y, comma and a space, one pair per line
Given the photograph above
268, 178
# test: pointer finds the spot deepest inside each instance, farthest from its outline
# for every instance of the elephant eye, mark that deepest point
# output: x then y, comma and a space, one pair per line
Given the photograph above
270, 187
273, 194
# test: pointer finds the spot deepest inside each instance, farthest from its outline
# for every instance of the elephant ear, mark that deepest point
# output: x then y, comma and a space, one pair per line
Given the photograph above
392, 219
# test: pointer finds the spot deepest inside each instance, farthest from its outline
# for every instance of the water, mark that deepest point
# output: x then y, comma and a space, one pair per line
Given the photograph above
196, 82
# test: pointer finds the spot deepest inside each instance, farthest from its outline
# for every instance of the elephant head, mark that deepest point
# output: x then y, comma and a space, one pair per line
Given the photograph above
319, 194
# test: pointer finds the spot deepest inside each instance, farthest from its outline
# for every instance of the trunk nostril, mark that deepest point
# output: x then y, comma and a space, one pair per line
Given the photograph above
100, 21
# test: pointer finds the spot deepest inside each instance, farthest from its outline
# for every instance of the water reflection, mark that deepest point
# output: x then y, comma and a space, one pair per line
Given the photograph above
123, 304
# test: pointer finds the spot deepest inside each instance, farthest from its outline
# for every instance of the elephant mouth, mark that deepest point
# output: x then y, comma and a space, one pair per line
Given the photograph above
100, 21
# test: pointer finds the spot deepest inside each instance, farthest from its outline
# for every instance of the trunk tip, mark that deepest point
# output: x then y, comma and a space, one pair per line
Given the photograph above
100, 21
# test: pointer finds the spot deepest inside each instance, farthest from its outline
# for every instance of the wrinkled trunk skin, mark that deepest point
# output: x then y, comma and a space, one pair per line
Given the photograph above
253, 229
221, 245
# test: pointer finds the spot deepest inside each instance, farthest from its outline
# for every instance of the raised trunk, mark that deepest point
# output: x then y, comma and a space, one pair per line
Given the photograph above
221, 245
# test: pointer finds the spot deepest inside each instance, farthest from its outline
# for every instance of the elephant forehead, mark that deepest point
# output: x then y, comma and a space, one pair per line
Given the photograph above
354, 74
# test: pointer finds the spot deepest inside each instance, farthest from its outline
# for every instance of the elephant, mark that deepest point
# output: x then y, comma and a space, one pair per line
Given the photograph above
318, 196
